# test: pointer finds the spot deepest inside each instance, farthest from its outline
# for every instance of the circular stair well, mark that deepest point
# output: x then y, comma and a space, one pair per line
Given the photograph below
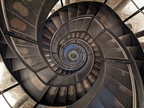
81, 56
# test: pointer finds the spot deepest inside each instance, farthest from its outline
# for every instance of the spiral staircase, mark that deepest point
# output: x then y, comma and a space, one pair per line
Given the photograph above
81, 56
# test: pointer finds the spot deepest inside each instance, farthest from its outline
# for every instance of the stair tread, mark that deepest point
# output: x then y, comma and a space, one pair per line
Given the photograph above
9, 53
30, 81
79, 90
46, 39
24, 29
61, 96
125, 39
18, 65
120, 76
95, 32
108, 99
93, 9
91, 78
122, 94
39, 65
86, 85
119, 66
34, 6
71, 95
117, 52
113, 53
64, 15
96, 103
110, 21
55, 67
28, 15
46, 74
56, 20
45, 46
51, 95
72, 11
47, 34
82, 8
50, 26
134, 51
